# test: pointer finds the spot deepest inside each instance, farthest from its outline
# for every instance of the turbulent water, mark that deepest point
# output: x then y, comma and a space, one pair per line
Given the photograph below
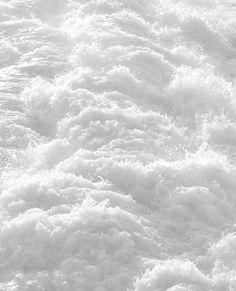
117, 145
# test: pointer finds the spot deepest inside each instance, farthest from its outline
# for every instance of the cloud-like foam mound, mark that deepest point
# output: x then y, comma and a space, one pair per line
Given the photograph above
117, 145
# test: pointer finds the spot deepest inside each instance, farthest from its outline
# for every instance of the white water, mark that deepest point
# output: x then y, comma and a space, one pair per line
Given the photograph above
117, 145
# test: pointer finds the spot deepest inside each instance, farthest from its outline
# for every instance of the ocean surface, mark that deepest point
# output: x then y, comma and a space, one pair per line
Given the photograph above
117, 145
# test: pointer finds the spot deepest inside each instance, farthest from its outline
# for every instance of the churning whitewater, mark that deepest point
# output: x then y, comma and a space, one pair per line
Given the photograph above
117, 145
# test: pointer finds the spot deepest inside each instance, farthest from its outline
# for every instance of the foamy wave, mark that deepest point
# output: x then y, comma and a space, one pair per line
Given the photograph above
117, 145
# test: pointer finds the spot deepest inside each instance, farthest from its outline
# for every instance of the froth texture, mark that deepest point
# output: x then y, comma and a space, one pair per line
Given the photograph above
117, 145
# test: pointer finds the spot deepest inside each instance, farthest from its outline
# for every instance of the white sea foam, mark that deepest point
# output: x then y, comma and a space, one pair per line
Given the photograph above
117, 145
